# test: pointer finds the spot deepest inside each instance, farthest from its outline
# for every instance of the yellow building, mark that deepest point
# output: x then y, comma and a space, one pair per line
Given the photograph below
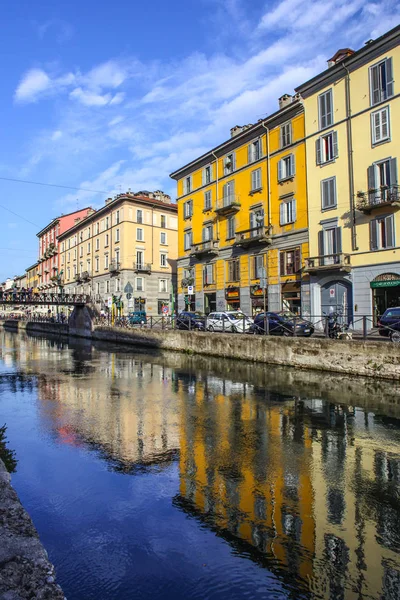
242, 209
128, 247
32, 279
351, 112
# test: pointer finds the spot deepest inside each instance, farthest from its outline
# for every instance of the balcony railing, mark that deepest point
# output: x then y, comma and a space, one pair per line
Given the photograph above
78, 277
142, 267
85, 275
210, 247
228, 205
383, 196
337, 262
114, 266
255, 235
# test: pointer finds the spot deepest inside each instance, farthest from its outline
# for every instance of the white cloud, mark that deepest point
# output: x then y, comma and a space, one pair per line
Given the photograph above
32, 84
56, 135
118, 98
90, 98
106, 75
116, 120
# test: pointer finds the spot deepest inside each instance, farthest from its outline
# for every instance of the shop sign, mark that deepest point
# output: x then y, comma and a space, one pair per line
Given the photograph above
232, 293
384, 284
256, 291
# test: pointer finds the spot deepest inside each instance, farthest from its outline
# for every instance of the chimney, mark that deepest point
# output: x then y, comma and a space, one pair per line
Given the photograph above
108, 200
239, 129
285, 100
77, 220
340, 56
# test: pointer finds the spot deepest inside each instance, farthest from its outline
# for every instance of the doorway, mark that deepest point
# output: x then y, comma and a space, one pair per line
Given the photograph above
336, 297
210, 303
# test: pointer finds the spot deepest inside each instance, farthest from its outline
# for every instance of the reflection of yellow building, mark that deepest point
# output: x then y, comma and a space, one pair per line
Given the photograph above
242, 208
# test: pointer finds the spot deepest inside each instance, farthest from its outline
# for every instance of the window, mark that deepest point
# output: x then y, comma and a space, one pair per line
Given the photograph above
328, 193
139, 234
63, 247
69, 243
81, 236
207, 233
62, 259
286, 167
254, 151
117, 253
381, 81
97, 227
256, 221
117, 217
207, 200
228, 193
286, 135
188, 209
187, 185
288, 212
256, 180
88, 233
382, 233
81, 251
106, 239
163, 221
106, 261
230, 227
229, 163
68, 273
139, 284
234, 270
207, 175
107, 286
88, 266
88, 248
163, 285
97, 288
163, 238
330, 245
188, 239
326, 148
163, 260
69, 256
98, 244
117, 285
325, 110
75, 254
382, 176
208, 274
139, 216
139, 259
117, 235
380, 125
97, 263
289, 261
258, 265
107, 222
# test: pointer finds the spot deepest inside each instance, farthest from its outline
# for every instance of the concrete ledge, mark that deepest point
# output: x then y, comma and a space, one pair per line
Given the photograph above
36, 326
369, 359
25, 570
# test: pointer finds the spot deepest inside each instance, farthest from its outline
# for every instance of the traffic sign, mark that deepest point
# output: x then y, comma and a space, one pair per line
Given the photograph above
128, 296
109, 302
165, 310
190, 290
128, 289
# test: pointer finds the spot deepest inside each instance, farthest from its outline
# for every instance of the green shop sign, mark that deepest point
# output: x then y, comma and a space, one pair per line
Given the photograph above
384, 284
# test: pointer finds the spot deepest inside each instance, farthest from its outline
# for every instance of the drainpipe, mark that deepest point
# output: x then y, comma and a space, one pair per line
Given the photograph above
268, 175
216, 185
350, 160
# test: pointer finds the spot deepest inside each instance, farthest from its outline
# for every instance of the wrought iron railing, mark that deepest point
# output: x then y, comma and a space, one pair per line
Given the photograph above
259, 234
374, 198
141, 266
207, 247
230, 203
339, 260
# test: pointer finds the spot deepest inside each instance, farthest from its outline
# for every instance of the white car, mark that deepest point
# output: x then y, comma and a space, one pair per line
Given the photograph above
229, 321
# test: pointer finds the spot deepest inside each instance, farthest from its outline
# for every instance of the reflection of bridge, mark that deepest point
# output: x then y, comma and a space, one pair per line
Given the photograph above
43, 299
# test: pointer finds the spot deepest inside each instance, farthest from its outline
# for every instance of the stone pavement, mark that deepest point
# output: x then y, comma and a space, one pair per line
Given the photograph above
25, 570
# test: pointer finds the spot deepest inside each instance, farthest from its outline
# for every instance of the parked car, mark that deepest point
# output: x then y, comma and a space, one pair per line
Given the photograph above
229, 321
282, 323
389, 324
138, 317
190, 320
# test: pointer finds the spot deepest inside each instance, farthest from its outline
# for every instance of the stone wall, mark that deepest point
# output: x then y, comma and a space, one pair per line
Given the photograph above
370, 359
36, 327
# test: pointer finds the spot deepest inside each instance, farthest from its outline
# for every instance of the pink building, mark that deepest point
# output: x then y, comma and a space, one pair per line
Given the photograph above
48, 263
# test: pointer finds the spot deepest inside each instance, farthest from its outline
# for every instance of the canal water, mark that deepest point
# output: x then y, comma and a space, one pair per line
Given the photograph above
160, 475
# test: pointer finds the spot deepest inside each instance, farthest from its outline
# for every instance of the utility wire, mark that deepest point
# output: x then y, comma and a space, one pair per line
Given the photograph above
56, 185
19, 216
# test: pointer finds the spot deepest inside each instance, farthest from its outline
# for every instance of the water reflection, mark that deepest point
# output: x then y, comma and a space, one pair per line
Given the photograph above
300, 483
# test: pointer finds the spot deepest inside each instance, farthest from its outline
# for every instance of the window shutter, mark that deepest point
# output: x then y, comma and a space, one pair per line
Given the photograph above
393, 171
389, 78
335, 144
280, 170
373, 232
203, 177
297, 260
282, 263
328, 108
250, 153
385, 123
204, 275
203, 234
376, 127
371, 181
321, 250
375, 91
338, 240
322, 111
318, 153
294, 216
282, 213
184, 187
191, 207
260, 147
233, 162
253, 180
292, 165
332, 191
389, 226
253, 222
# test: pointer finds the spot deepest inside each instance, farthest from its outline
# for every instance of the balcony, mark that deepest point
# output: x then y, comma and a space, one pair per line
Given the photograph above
85, 275
256, 235
78, 278
140, 267
114, 266
228, 205
328, 262
210, 248
381, 197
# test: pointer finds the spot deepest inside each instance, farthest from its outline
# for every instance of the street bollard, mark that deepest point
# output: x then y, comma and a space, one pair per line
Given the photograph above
326, 326
364, 327
244, 324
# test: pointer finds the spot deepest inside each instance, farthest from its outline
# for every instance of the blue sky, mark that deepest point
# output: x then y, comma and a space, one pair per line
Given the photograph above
111, 96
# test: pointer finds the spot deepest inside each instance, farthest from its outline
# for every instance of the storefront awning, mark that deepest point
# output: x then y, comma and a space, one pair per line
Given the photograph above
385, 284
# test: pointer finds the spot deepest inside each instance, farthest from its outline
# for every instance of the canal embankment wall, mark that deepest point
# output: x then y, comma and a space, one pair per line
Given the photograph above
352, 357
25, 569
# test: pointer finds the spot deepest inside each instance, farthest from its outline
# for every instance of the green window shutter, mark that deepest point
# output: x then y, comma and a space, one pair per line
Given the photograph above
373, 234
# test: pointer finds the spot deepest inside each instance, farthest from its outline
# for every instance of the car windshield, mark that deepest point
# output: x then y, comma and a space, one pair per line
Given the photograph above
392, 312
287, 315
194, 315
236, 315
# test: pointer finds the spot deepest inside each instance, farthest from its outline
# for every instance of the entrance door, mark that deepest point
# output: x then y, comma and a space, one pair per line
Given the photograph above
210, 303
336, 296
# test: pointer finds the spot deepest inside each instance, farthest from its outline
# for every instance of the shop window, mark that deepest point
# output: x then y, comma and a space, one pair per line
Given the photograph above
234, 270
290, 261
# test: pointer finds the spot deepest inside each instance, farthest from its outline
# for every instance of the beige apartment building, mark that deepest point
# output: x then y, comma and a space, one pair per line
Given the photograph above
127, 248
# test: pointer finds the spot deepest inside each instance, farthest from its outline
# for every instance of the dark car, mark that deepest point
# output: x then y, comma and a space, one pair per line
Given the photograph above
282, 323
190, 320
137, 317
389, 324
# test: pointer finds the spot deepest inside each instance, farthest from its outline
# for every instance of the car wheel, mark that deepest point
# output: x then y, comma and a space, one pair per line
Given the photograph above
395, 337
211, 328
